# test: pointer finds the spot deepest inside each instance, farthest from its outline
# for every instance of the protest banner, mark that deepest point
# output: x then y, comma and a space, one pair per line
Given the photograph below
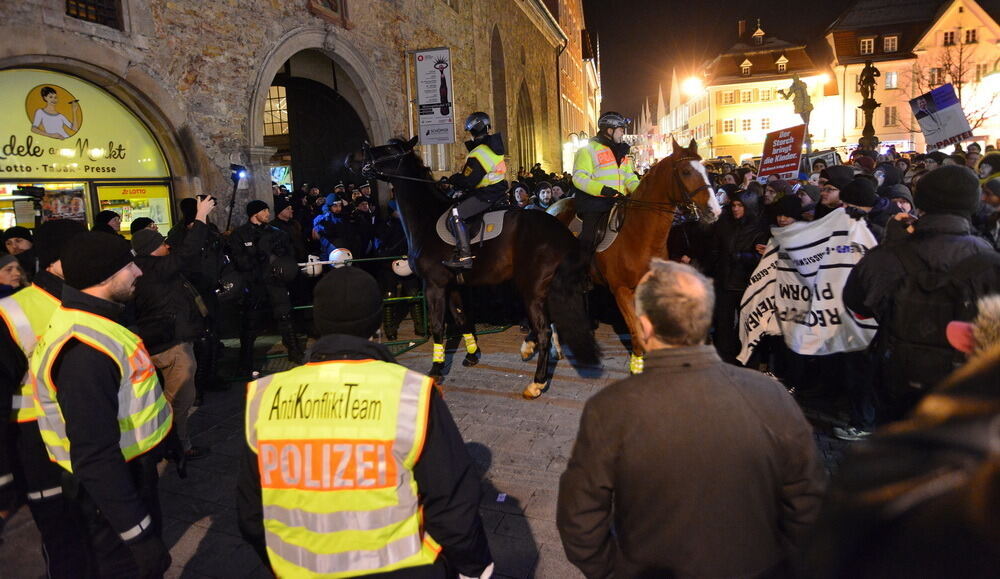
782, 151
941, 118
797, 289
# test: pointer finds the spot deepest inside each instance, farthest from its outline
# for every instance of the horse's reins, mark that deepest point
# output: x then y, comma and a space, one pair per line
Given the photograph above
370, 170
686, 206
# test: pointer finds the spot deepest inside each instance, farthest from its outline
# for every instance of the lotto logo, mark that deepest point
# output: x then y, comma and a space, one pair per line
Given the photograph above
331, 465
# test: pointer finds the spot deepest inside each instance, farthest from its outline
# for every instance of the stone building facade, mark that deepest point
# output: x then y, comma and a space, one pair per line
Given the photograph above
197, 72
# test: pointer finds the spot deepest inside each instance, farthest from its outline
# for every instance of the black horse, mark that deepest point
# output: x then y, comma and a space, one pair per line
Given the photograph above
534, 250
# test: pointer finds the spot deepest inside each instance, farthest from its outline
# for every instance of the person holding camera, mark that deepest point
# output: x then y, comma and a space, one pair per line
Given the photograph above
170, 314
264, 255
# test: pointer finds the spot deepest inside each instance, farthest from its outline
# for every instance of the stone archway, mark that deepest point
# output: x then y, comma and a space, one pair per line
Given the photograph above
358, 68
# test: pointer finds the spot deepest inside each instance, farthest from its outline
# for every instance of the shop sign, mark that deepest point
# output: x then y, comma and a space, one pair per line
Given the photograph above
56, 126
134, 201
435, 96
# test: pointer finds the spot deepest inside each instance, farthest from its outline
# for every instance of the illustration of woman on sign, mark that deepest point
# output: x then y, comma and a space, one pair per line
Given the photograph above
49, 122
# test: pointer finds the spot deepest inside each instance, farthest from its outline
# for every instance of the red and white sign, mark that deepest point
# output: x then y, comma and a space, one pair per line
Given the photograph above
782, 153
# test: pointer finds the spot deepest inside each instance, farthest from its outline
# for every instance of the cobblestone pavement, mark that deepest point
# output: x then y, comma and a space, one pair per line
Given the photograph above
520, 446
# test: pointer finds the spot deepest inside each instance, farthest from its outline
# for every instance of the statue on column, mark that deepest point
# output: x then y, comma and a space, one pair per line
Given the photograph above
867, 82
799, 93
866, 85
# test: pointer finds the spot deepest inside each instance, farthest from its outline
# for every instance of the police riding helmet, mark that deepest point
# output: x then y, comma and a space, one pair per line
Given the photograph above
612, 120
478, 123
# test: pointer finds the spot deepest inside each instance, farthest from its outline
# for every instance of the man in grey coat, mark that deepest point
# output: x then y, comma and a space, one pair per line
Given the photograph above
694, 467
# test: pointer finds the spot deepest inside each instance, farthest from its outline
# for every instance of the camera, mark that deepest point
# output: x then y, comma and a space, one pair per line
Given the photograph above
203, 197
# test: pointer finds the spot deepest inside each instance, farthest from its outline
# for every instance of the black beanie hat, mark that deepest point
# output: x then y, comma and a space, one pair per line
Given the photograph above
951, 189
838, 175
17, 232
254, 207
789, 206
189, 209
105, 217
146, 241
347, 301
140, 223
93, 257
860, 192
900, 191
52, 239
992, 187
281, 203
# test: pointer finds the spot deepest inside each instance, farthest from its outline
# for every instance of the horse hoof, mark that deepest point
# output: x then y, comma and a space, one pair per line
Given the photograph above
472, 359
527, 350
534, 390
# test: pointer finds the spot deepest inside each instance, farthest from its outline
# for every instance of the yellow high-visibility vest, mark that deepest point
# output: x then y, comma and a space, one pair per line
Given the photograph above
336, 443
496, 167
595, 168
27, 314
144, 415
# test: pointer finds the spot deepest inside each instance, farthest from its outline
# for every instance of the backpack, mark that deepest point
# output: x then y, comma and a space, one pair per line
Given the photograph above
918, 354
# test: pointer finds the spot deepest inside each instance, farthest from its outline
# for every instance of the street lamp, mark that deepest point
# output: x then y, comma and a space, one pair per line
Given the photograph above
694, 87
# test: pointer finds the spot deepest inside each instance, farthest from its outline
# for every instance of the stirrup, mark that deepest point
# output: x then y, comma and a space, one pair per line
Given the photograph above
459, 262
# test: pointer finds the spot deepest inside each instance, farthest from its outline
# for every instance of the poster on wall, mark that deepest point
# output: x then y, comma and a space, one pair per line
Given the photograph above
435, 96
782, 151
64, 204
941, 118
135, 201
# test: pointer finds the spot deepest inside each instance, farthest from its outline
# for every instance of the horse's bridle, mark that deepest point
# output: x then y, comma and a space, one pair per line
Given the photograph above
686, 207
369, 168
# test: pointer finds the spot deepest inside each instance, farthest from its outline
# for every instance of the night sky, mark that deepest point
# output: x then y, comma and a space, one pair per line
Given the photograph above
641, 40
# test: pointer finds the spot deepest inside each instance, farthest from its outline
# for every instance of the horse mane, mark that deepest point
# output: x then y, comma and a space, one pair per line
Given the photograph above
413, 166
656, 181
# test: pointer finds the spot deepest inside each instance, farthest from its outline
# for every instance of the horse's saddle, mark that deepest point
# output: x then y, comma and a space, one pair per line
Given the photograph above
481, 228
607, 232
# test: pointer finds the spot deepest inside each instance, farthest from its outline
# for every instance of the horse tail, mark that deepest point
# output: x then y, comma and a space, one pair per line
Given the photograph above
567, 304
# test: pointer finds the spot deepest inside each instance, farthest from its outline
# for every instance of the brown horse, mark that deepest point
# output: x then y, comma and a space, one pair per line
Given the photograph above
533, 250
677, 184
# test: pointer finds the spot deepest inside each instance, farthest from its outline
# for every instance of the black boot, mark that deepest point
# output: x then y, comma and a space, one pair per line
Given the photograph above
291, 340
462, 258
390, 324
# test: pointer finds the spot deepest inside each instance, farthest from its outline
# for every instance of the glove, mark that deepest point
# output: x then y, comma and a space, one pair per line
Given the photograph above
151, 557
609, 192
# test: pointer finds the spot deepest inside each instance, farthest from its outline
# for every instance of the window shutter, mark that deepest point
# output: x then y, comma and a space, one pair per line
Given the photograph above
718, 98
718, 126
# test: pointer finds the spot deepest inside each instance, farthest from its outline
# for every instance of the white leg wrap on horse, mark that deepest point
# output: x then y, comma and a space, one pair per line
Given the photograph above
438, 353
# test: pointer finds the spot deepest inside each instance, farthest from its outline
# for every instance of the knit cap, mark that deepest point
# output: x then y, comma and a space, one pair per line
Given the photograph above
93, 257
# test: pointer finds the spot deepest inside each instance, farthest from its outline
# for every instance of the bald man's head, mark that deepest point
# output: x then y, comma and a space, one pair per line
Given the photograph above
678, 302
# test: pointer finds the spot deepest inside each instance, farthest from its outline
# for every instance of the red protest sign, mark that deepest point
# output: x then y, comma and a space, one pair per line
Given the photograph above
782, 152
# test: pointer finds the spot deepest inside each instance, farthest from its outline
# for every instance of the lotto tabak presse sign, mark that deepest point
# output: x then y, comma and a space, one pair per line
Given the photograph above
56, 126
782, 151
435, 96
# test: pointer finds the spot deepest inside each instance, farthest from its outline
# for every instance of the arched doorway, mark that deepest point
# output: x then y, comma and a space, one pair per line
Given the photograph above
499, 83
526, 150
311, 122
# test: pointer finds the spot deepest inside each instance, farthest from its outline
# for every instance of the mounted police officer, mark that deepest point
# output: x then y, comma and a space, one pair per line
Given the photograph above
482, 180
604, 172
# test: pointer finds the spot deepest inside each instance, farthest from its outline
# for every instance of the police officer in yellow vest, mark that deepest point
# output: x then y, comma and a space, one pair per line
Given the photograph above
602, 172
103, 413
354, 466
26, 473
482, 179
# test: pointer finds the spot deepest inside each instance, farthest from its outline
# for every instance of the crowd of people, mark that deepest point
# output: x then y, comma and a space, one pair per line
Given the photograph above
109, 343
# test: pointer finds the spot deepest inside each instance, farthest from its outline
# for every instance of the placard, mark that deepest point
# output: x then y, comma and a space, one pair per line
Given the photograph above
782, 152
941, 117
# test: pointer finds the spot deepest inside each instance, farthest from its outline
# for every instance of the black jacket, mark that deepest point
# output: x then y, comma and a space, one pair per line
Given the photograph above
733, 254
205, 269
878, 217
165, 307
293, 229
449, 485
254, 247
87, 383
940, 240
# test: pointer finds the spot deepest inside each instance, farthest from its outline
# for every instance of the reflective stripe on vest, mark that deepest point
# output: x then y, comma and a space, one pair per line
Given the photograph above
606, 169
144, 415
336, 444
27, 314
496, 167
